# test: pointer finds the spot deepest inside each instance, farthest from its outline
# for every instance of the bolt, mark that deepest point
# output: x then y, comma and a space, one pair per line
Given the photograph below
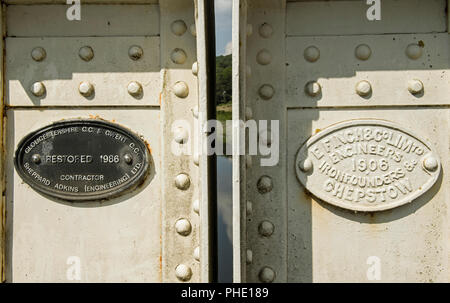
249, 256
181, 89
178, 27
181, 135
306, 165
194, 111
86, 89
38, 89
178, 56
195, 68
263, 57
134, 88
266, 91
196, 158
38, 54
248, 71
128, 158
264, 184
313, 88
183, 272
430, 163
249, 208
182, 181
135, 52
363, 52
248, 113
266, 275
249, 30
86, 53
363, 88
311, 54
266, 228
265, 30
196, 206
193, 30
415, 86
36, 158
197, 253
414, 51
183, 227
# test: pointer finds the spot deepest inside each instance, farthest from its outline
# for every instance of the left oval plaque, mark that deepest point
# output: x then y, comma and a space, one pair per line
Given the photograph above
82, 160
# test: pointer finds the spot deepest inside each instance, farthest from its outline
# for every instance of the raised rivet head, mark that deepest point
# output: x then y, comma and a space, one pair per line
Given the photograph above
36, 158
430, 163
128, 158
311, 54
195, 112
414, 51
249, 30
313, 88
135, 52
180, 135
195, 68
178, 27
248, 71
38, 54
266, 275
263, 57
266, 91
363, 52
86, 53
306, 165
196, 158
181, 89
249, 256
266, 228
196, 206
134, 88
415, 86
183, 272
265, 30
178, 56
38, 89
193, 30
183, 227
265, 137
197, 253
86, 88
249, 209
363, 88
248, 113
182, 181
264, 184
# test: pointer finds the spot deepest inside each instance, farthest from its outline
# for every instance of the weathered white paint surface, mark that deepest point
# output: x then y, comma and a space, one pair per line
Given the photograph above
320, 78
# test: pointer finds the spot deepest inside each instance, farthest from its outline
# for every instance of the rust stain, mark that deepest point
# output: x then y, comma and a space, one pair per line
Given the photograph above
421, 44
317, 130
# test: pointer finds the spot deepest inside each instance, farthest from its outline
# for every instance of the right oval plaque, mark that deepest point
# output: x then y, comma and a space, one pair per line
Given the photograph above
367, 165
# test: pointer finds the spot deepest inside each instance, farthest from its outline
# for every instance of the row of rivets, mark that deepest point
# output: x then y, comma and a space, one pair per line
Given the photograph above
363, 88
363, 52
86, 88
179, 27
86, 53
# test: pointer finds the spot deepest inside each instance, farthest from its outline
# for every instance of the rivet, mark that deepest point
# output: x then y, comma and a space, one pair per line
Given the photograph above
264, 184
248, 161
265, 30
183, 272
181, 135
266, 91
249, 30
311, 54
135, 52
183, 227
306, 165
134, 88
86, 53
415, 86
363, 88
248, 113
313, 88
430, 163
414, 51
196, 158
249, 209
194, 111
249, 256
178, 56
182, 181
128, 158
193, 30
178, 27
249, 71
196, 206
197, 253
37, 89
265, 137
266, 228
181, 89
195, 68
36, 158
266, 275
38, 54
263, 57
86, 89
363, 52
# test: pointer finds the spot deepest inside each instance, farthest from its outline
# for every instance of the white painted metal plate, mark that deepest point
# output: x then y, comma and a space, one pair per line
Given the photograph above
367, 165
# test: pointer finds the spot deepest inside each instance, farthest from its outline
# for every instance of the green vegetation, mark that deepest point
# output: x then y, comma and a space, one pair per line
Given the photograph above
223, 79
